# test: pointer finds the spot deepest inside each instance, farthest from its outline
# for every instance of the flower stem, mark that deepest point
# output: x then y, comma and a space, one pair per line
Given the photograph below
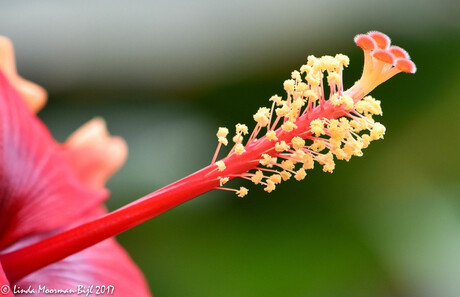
22, 262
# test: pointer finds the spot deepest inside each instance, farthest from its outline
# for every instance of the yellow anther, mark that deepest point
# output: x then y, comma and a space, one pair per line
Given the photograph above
300, 174
223, 180
292, 116
334, 78
311, 60
285, 175
311, 94
355, 125
222, 140
329, 167
328, 161
336, 100
296, 76
348, 102
359, 125
288, 126
220, 165
333, 123
241, 128
335, 143
366, 138
239, 149
297, 104
270, 186
337, 132
242, 192
277, 99
257, 178
267, 160
298, 155
305, 69
328, 63
313, 79
281, 146
271, 135
289, 86
282, 111
261, 116
353, 147
308, 162
345, 123
373, 105
344, 60
318, 145
287, 165
302, 88
364, 123
317, 127
340, 154
362, 106
238, 138
298, 143
377, 132
222, 132
275, 178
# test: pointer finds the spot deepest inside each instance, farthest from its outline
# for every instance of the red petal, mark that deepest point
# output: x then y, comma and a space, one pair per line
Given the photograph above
103, 264
95, 155
38, 189
5, 289
106, 263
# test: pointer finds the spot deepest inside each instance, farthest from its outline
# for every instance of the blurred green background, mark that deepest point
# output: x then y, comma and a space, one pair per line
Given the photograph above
166, 74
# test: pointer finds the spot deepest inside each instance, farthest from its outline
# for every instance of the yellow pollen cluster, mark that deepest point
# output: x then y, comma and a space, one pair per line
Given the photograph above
326, 139
368, 106
285, 175
308, 162
271, 135
257, 177
344, 100
300, 174
239, 149
242, 192
275, 178
308, 127
281, 146
276, 99
288, 126
222, 135
262, 116
287, 165
289, 85
317, 127
283, 111
223, 180
298, 143
220, 165
241, 128
268, 160
270, 186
